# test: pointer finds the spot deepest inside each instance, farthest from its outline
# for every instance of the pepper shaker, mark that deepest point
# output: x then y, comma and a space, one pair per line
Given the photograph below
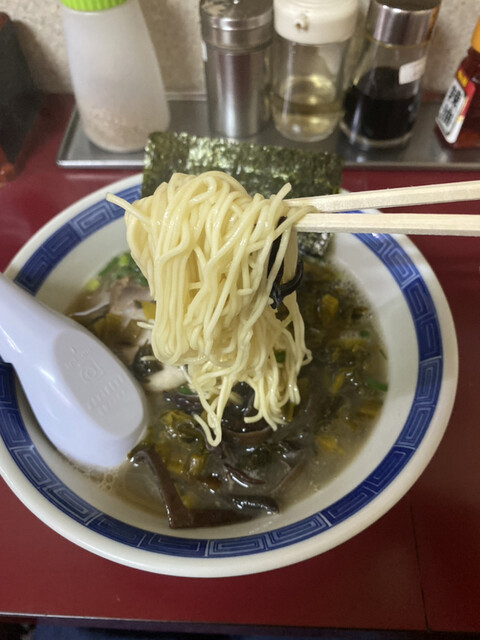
382, 103
237, 36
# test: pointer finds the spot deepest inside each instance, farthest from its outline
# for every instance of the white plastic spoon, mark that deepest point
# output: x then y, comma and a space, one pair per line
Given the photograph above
86, 401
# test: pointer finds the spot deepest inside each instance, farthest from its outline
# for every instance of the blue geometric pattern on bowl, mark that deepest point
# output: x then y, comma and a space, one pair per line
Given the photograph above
429, 376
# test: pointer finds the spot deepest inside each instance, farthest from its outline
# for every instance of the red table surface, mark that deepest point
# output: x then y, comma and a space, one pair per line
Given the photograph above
416, 568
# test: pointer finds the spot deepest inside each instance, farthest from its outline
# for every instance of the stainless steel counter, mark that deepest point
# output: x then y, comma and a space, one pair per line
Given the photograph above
191, 116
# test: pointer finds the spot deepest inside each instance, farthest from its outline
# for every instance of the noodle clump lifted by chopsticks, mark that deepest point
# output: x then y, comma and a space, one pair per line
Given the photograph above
203, 244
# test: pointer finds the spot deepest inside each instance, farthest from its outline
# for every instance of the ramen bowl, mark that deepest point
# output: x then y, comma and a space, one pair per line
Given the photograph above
419, 335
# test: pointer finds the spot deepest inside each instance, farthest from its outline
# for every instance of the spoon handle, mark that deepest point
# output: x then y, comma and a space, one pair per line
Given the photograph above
83, 397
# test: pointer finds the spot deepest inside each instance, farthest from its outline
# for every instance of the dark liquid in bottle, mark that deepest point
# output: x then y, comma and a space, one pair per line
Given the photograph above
378, 108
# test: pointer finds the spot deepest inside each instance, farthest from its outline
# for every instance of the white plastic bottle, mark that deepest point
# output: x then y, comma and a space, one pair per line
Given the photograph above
116, 78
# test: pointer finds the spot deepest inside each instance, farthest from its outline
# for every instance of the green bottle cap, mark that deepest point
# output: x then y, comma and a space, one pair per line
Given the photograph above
91, 5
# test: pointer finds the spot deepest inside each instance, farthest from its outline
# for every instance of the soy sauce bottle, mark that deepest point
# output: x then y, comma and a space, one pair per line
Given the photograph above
381, 105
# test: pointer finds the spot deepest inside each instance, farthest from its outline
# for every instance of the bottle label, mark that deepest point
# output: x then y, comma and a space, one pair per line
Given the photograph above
411, 71
455, 105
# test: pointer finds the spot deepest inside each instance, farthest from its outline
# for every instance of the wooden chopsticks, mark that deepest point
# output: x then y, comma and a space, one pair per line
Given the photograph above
408, 223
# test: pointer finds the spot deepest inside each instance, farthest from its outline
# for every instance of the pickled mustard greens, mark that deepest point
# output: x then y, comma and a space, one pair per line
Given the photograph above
175, 472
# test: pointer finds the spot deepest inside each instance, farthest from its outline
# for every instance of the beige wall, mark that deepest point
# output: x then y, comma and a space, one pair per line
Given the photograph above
176, 34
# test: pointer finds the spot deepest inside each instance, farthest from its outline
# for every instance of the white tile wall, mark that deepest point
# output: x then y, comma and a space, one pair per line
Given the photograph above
175, 31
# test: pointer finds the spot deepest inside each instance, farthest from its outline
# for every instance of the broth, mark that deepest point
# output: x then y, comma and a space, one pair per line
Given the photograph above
255, 470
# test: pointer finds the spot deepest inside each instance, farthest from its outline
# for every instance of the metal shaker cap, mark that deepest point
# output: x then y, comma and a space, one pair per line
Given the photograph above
237, 24
402, 22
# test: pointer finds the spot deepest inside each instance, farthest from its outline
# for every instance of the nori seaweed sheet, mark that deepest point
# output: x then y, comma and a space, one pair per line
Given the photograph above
259, 168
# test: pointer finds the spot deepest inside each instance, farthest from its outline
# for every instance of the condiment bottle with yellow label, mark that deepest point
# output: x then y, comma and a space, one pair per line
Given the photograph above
459, 117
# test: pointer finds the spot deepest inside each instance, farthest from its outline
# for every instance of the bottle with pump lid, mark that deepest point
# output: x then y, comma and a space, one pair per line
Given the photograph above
458, 119
116, 78
309, 50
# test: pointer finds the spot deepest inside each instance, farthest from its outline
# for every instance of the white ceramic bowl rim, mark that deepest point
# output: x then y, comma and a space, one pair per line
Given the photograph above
59, 237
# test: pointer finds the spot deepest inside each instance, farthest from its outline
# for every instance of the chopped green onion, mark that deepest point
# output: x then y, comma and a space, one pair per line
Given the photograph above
376, 384
122, 266
185, 389
92, 285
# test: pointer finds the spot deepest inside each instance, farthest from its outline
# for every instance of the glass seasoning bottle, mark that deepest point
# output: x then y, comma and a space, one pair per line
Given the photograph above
458, 119
116, 79
382, 102
309, 49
